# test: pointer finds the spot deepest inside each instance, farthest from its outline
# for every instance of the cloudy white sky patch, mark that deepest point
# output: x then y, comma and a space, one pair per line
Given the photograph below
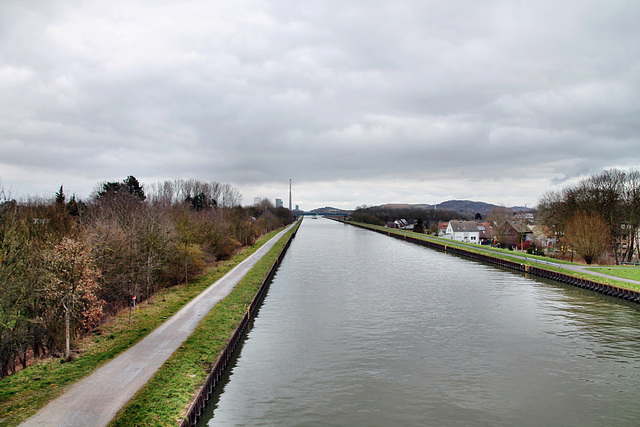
360, 102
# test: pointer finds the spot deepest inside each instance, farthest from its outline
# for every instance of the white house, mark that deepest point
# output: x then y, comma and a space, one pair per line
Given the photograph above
463, 231
402, 224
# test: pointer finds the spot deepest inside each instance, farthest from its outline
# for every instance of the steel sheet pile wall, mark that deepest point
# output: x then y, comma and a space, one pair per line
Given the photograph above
613, 291
218, 369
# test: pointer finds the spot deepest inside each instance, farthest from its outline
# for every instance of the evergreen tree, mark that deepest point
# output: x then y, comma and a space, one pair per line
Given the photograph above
72, 207
109, 188
129, 185
134, 187
60, 197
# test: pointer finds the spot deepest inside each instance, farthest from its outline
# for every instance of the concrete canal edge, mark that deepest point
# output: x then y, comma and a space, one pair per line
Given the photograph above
611, 290
221, 364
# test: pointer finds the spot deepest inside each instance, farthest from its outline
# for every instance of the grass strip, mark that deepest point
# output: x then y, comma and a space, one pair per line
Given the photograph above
24, 393
504, 254
622, 272
598, 279
165, 399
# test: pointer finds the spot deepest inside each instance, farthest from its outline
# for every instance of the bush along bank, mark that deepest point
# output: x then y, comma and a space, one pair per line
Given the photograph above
619, 291
181, 386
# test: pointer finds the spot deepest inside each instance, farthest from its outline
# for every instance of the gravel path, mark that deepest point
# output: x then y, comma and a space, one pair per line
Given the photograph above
95, 400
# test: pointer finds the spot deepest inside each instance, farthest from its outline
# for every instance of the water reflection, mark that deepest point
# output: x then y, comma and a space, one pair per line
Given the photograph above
362, 329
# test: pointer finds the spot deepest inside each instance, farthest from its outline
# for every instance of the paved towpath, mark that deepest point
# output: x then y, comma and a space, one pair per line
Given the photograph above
573, 267
587, 269
95, 400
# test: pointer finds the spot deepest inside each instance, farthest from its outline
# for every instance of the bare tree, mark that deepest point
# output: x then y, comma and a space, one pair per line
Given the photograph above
612, 194
631, 198
604, 195
161, 193
589, 235
72, 282
230, 196
501, 216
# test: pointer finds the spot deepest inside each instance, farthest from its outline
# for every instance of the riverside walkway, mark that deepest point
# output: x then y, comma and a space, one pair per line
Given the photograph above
585, 269
95, 400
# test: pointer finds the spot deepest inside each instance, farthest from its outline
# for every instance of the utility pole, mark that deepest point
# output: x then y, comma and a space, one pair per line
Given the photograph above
289, 193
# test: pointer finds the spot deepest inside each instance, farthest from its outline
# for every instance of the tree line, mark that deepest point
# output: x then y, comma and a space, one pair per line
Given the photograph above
429, 218
66, 265
600, 215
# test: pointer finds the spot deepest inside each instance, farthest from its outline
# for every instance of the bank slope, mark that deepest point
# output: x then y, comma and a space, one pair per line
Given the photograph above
616, 288
165, 399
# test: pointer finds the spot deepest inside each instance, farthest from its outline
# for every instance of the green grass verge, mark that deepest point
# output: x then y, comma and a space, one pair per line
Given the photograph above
24, 393
622, 272
164, 400
508, 255
598, 279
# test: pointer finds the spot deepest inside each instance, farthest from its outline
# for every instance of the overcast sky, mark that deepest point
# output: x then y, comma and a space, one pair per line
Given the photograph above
358, 102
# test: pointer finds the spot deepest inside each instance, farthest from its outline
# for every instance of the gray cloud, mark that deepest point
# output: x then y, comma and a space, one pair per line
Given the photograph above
358, 102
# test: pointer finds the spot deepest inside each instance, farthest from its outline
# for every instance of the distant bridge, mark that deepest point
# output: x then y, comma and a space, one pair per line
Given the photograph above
330, 214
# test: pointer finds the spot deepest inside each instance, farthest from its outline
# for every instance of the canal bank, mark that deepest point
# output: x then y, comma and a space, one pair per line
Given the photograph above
97, 398
523, 265
360, 329
220, 366
176, 389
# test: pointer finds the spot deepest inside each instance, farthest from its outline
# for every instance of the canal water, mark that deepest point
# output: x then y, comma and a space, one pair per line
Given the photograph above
360, 329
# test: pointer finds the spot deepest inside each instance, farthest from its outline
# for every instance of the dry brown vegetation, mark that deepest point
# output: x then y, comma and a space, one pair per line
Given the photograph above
82, 261
612, 197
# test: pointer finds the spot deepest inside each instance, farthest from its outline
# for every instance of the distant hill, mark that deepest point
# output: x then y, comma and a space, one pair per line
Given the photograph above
463, 206
406, 206
467, 206
329, 210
